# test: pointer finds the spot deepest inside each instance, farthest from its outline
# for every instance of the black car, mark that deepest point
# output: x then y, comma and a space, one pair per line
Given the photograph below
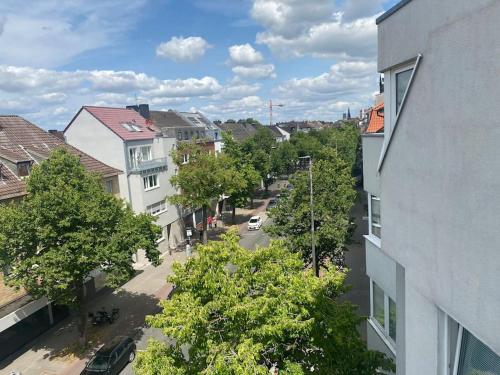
112, 357
272, 203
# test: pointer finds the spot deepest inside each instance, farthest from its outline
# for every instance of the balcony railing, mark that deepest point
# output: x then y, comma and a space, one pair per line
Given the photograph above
148, 165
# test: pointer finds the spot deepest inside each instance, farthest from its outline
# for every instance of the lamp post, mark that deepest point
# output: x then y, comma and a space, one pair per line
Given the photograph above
311, 202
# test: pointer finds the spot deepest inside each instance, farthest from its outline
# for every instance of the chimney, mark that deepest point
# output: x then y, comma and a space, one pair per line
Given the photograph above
133, 107
57, 133
144, 111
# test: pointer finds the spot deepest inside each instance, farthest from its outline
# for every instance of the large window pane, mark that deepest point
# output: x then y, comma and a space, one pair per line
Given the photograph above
378, 304
476, 358
402, 80
392, 319
375, 219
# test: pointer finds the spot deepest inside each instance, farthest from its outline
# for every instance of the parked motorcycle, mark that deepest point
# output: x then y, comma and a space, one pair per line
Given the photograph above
102, 316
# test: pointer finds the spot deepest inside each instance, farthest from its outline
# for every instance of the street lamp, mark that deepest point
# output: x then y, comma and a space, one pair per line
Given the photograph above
313, 245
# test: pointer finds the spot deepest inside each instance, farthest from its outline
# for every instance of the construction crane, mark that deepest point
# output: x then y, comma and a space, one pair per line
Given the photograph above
271, 105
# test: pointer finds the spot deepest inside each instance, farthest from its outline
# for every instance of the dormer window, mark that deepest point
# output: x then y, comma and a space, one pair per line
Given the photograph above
23, 168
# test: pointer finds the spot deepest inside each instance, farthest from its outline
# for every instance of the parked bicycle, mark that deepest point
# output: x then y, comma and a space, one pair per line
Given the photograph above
103, 316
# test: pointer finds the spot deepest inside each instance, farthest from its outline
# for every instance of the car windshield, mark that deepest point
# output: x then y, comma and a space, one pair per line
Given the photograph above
253, 220
98, 363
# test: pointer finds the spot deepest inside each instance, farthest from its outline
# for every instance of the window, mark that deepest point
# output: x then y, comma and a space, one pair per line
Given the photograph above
197, 134
378, 304
185, 158
186, 136
133, 157
108, 186
375, 225
151, 182
392, 319
156, 208
146, 153
23, 169
216, 135
476, 358
139, 154
179, 135
402, 80
383, 311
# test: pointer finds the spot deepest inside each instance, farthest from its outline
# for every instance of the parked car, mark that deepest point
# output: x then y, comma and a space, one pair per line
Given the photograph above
254, 223
272, 203
112, 357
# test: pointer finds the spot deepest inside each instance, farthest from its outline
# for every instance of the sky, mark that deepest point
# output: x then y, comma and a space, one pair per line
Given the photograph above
224, 58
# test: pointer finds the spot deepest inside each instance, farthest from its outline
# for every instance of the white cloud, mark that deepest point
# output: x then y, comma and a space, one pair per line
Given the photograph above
51, 33
245, 55
43, 93
259, 71
180, 49
248, 63
317, 28
346, 79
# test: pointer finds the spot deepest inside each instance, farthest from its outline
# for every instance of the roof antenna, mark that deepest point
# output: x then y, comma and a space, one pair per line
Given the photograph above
135, 96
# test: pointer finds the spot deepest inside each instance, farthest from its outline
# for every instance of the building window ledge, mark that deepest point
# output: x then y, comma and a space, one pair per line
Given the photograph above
374, 240
382, 336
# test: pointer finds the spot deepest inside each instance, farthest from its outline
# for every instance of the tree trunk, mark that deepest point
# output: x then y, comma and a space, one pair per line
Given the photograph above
234, 215
251, 200
204, 224
82, 313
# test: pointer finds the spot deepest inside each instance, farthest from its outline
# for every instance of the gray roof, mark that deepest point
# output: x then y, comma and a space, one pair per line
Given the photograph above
168, 119
240, 132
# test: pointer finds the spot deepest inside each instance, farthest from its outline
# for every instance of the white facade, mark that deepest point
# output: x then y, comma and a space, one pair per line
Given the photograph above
437, 171
145, 183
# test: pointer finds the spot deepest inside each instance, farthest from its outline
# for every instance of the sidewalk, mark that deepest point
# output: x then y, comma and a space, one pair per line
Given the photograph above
50, 354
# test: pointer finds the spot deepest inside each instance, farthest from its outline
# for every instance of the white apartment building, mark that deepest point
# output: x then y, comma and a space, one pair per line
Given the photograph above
123, 139
432, 180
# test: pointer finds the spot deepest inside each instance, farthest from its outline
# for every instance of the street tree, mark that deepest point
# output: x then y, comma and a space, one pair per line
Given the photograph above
333, 196
67, 227
283, 159
238, 312
242, 163
203, 177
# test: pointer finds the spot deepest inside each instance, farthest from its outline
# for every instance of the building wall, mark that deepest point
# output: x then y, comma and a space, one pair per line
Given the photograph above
440, 181
89, 135
372, 145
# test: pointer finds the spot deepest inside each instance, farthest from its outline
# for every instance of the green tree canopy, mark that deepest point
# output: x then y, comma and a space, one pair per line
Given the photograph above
238, 312
65, 228
334, 197
204, 177
284, 159
243, 164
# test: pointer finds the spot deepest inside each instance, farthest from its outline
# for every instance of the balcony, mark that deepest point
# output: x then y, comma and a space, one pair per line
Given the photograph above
147, 166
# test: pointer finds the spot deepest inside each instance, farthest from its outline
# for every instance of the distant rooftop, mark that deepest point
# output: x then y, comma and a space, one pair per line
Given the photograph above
392, 10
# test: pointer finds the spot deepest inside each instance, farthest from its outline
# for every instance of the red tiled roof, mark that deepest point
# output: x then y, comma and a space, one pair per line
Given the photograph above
114, 118
376, 124
20, 140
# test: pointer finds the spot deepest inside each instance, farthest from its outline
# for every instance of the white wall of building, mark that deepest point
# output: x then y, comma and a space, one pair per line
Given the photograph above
440, 180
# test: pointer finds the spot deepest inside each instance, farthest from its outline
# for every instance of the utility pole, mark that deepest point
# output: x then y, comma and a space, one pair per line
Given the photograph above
271, 105
311, 202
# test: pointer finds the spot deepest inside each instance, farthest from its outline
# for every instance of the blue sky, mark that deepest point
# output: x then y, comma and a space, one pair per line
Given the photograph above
225, 58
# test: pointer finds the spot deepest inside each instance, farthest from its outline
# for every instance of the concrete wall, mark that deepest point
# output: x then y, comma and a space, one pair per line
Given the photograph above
440, 181
381, 269
372, 145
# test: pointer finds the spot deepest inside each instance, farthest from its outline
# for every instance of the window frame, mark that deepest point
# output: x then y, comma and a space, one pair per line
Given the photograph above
149, 152
148, 187
384, 330
163, 208
109, 186
370, 217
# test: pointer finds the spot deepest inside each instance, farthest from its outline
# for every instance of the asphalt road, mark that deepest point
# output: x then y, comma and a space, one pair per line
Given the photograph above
251, 239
